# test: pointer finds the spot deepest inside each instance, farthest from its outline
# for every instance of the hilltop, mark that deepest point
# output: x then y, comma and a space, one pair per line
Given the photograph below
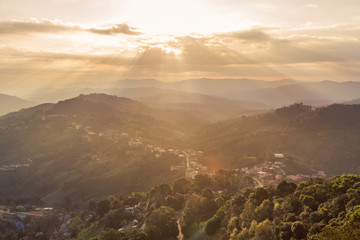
11, 104
97, 145
273, 94
86, 147
324, 138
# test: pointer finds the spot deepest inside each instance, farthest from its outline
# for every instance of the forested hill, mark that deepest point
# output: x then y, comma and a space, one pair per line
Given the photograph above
87, 147
103, 111
223, 207
324, 138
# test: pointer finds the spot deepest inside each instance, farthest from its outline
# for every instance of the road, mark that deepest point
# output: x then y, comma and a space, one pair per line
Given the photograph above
187, 159
179, 215
258, 181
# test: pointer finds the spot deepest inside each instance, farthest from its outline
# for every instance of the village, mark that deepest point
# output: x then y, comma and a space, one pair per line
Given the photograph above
12, 167
189, 159
21, 216
272, 172
267, 173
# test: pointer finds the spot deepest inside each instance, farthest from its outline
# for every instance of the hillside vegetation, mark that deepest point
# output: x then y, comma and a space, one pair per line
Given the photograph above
80, 147
223, 207
325, 138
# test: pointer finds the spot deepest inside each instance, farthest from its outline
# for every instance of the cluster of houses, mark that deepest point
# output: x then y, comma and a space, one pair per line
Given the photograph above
269, 173
17, 215
12, 167
135, 142
194, 167
90, 134
272, 172
188, 158
22, 218
302, 177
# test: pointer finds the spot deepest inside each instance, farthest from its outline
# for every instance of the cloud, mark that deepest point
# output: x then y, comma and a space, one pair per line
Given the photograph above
335, 31
116, 29
257, 52
34, 26
255, 35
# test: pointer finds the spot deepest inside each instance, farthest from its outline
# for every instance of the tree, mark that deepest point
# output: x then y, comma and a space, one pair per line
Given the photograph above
207, 193
159, 193
243, 235
309, 201
248, 213
175, 202
164, 219
264, 211
203, 180
264, 231
349, 228
181, 185
285, 188
126, 234
212, 225
116, 218
75, 227
260, 195
103, 207
284, 231
299, 230
197, 209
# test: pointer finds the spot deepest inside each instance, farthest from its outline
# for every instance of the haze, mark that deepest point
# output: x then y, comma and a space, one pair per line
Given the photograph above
67, 43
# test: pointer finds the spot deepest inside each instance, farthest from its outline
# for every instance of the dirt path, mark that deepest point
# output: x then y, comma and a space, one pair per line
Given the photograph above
179, 215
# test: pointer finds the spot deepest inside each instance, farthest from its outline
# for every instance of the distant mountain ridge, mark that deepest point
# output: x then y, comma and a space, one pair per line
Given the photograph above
271, 93
207, 86
11, 104
354, 101
213, 108
204, 106
321, 93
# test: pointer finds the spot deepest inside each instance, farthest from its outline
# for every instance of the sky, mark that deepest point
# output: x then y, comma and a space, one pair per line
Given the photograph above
92, 43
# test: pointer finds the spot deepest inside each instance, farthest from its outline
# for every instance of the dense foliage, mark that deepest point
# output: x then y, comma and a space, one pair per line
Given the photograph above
315, 209
324, 139
80, 148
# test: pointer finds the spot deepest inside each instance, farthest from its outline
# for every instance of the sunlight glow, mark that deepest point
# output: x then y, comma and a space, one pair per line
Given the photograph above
175, 17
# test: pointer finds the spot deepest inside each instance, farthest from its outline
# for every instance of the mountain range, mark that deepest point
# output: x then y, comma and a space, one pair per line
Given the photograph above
82, 147
96, 145
11, 103
215, 99
270, 93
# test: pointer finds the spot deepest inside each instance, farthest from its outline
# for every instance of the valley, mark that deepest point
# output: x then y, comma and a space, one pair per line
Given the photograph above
80, 151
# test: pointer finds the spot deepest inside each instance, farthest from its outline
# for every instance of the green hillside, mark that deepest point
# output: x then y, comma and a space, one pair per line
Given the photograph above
81, 148
323, 139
